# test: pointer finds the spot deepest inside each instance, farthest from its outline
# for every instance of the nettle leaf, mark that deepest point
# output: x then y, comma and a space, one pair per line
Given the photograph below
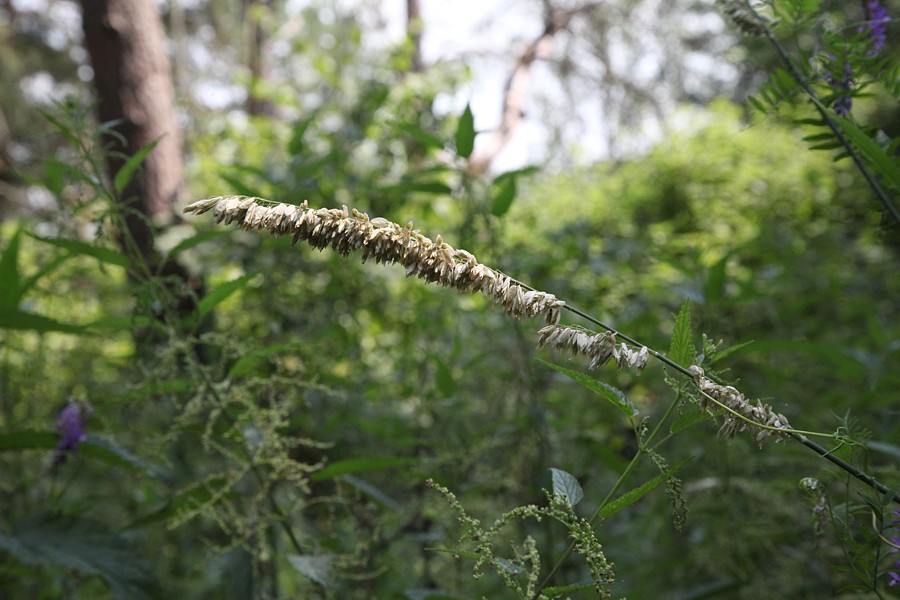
465, 133
565, 485
313, 567
83, 545
632, 496
613, 395
682, 350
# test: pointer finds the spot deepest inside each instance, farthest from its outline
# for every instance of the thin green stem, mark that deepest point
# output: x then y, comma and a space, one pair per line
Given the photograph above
635, 461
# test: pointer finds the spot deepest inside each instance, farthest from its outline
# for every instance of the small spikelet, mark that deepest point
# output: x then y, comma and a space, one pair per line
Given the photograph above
757, 416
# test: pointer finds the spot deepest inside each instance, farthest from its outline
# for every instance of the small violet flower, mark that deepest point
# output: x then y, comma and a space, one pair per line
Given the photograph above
894, 575
841, 82
877, 19
70, 426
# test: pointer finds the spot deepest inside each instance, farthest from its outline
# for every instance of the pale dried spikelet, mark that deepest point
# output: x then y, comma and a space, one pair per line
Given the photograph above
348, 230
598, 347
747, 20
759, 413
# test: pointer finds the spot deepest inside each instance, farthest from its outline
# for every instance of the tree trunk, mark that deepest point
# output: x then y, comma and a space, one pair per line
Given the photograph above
134, 86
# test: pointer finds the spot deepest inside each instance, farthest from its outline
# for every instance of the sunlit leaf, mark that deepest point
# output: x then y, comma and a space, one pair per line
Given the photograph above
682, 350
565, 485
315, 568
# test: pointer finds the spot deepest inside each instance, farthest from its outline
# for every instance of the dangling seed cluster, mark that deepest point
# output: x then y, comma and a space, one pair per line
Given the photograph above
600, 348
759, 413
347, 231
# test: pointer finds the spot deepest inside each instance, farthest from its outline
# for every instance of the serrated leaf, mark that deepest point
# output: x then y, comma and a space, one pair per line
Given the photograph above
682, 350
104, 255
613, 395
465, 134
633, 495
126, 173
314, 567
221, 292
565, 485
83, 545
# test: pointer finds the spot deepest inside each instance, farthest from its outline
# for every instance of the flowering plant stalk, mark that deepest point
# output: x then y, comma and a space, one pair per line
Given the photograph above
349, 230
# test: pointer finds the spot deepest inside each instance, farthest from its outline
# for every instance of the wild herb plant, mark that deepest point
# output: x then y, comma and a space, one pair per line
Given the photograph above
228, 455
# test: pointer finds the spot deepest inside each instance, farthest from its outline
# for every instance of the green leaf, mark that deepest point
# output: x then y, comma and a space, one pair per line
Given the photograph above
504, 192
465, 133
559, 590
126, 173
565, 485
11, 291
726, 352
420, 135
313, 567
250, 362
714, 288
633, 495
24, 321
613, 395
28, 439
195, 240
104, 255
688, 419
682, 350
221, 292
869, 148
444, 379
360, 465
83, 545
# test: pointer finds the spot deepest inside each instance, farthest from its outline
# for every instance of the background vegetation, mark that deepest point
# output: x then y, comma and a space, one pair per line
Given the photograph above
262, 422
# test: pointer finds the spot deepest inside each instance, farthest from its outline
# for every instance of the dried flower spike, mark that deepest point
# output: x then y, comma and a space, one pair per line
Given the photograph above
756, 415
347, 231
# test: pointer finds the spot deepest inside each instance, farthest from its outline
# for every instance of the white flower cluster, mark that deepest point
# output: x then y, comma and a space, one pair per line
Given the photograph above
758, 414
347, 231
599, 347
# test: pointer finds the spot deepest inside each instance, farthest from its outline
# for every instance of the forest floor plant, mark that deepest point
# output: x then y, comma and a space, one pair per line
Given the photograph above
347, 231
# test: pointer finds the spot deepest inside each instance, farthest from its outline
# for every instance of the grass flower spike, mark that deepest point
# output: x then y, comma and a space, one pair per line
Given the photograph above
347, 231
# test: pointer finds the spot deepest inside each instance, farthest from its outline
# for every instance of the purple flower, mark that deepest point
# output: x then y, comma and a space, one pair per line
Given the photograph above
70, 426
841, 81
895, 575
877, 18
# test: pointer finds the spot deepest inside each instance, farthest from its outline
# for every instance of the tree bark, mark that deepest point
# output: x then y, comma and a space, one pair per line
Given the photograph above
133, 81
516, 92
